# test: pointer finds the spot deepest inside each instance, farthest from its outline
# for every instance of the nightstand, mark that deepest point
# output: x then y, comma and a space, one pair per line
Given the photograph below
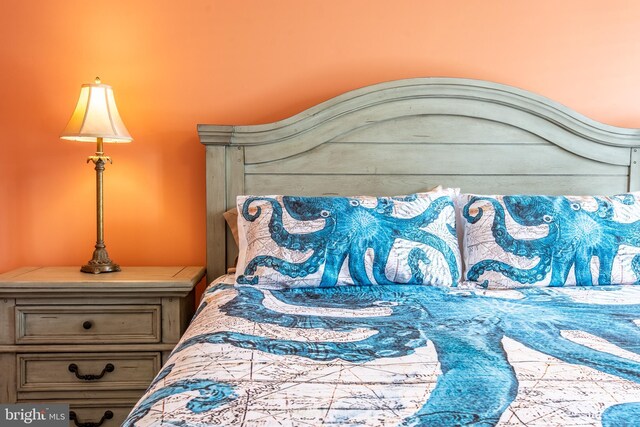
93, 341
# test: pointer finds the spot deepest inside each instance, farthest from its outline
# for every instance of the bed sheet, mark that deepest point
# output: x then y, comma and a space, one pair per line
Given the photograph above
403, 355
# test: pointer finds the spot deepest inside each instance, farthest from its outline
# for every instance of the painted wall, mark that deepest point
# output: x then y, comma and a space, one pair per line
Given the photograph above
174, 64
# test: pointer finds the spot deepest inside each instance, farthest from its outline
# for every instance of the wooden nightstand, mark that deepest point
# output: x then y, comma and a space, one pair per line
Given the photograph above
93, 341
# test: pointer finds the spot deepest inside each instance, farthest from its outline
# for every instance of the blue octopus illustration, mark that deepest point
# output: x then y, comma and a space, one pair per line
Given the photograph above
349, 230
575, 236
477, 383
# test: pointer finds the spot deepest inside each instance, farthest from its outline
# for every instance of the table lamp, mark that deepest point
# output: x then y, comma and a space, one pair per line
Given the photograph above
96, 119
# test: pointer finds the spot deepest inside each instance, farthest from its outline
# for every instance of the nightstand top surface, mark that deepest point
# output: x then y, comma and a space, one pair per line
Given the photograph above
130, 279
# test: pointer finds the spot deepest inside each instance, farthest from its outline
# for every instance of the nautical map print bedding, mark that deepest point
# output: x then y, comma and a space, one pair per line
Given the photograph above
403, 355
516, 241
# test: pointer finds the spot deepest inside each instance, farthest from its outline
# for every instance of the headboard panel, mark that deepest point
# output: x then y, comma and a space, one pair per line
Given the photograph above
409, 135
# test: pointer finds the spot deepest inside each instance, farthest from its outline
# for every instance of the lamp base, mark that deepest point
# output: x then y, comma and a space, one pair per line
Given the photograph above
99, 268
100, 263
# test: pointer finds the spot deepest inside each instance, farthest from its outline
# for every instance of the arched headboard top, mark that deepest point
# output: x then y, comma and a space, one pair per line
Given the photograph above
479, 99
409, 135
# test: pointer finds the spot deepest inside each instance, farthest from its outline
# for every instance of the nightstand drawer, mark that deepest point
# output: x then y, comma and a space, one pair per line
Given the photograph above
86, 371
57, 324
113, 416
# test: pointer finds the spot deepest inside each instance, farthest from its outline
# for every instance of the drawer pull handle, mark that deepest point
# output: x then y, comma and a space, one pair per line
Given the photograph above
87, 325
107, 416
90, 377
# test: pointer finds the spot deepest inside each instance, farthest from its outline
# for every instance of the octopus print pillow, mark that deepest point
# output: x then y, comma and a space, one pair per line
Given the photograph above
517, 241
288, 241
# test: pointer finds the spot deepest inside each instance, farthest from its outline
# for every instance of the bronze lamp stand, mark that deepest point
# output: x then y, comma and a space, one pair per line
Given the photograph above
100, 263
96, 119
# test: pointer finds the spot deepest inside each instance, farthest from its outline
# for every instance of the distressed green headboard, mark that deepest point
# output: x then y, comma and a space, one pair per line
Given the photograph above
410, 135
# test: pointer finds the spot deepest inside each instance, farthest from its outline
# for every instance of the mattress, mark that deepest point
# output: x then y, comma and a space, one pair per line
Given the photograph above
403, 355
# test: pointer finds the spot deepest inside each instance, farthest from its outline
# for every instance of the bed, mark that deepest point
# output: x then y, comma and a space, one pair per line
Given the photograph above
403, 354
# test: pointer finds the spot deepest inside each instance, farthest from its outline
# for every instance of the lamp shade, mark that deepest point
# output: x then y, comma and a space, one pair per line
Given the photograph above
96, 116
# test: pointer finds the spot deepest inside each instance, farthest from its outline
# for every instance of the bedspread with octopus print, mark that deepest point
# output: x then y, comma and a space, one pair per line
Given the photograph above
403, 355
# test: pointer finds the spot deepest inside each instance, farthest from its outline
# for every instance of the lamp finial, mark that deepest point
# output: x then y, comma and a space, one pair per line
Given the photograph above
97, 80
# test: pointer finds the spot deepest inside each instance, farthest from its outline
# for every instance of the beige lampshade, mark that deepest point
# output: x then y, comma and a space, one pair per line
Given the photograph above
96, 116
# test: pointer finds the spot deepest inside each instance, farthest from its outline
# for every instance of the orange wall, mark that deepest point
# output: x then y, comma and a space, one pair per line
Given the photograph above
174, 64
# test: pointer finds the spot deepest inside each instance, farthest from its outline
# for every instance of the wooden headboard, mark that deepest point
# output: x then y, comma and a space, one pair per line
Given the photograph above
410, 135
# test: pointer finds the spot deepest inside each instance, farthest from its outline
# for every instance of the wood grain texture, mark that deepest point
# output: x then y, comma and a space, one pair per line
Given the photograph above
131, 280
43, 372
439, 159
7, 324
101, 324
216, 204
436, 129
405, 136
137, 317
87, 347
171, 324
8, 378
236, 171
94, 413
634, 170
390, 185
